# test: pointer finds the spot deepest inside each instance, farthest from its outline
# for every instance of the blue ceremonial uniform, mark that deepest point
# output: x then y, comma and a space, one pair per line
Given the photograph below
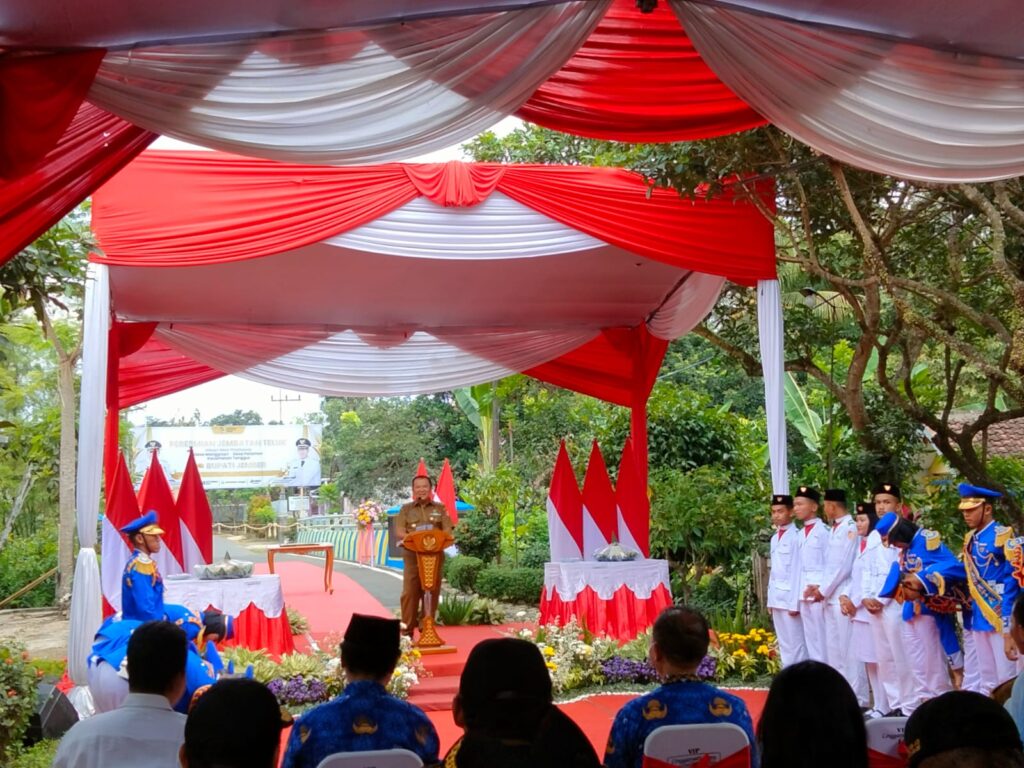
111, 641
142, 590
681, 703
198, 671
363, 717
990, 579
942, 576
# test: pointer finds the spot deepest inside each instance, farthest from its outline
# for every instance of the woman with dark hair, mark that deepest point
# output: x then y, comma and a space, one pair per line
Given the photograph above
811, 719
862, 642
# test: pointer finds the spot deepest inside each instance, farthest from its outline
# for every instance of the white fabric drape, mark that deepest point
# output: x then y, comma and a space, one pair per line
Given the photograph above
369, 363
686, 306
86, 596
891, 105
497, 228
770, 335
347, 96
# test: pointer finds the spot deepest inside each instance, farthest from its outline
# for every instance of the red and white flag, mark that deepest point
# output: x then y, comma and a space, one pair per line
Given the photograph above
195, 516
155, 495
445, 491
599, 510
633, 504
122, 508
565, 511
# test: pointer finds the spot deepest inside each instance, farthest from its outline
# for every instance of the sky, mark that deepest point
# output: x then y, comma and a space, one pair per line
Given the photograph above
232, 392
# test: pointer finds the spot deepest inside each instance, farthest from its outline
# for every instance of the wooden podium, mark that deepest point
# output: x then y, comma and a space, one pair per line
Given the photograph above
429, 547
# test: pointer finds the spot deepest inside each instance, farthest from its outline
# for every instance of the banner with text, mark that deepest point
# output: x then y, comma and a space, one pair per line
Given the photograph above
234, 456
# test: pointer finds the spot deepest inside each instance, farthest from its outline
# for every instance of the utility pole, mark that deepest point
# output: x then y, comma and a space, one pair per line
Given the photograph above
280, 400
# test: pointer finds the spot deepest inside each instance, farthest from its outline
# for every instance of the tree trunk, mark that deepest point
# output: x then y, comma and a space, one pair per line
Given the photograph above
495, 427
68, 462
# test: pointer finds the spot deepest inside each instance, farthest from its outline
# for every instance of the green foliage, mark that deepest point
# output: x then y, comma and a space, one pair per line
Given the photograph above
461, 571
25, 558
477, 535
330, 497
514, 585
38, 755
261, 512
484, 611
297, 623
238, 417
453, 611
264, 668
503, 495
713, 595
17, 697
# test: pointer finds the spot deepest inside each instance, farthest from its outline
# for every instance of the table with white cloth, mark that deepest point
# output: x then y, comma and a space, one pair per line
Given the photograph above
619, 600
256, 603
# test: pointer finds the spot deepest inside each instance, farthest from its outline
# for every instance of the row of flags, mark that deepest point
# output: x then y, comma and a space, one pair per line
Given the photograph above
187, 522
582, 522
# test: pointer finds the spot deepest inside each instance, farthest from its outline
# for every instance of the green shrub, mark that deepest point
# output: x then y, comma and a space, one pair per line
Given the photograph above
461, 571
453, 611
17, 698
537, 550
261, 512
514, 585
297, 623
485, 611
25, 558
38, 755
478, 534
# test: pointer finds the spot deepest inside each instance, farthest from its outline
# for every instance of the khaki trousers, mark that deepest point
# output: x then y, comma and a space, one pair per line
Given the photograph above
412, 593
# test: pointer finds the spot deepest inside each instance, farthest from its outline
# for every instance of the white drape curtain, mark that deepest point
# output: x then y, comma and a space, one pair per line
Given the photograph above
770, 334
686, 306
347, 96
369, 363
893, 105
86, 595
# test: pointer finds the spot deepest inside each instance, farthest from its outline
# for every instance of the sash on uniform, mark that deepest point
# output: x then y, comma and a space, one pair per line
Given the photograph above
987, 599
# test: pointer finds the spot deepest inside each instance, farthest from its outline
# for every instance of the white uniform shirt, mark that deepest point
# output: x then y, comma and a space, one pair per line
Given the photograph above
144, 732
813, 538
784, 577
303, 473
855, 585
839, 554
878, 562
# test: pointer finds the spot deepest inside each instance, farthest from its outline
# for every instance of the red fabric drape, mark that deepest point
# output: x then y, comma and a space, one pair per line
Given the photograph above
40, 94
623, 617
638, 78
253, 629
193, 208
95, 146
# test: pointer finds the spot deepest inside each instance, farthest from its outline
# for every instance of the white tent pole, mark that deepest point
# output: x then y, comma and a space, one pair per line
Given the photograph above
770, 334
86, 595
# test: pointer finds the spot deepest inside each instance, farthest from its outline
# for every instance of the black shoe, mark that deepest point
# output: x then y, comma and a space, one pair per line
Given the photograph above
895, 713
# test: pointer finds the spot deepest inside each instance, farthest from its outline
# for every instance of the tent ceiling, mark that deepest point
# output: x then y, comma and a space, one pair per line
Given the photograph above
325, 284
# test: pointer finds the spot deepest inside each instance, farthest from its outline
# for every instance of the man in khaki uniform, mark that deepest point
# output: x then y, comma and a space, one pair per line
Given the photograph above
422, 513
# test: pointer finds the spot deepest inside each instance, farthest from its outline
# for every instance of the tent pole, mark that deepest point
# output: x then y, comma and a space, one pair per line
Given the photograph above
770, 335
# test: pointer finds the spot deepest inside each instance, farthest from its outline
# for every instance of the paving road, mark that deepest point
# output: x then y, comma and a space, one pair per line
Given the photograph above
384, 585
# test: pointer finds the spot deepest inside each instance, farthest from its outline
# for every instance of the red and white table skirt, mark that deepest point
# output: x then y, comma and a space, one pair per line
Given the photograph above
257, 603
619, 600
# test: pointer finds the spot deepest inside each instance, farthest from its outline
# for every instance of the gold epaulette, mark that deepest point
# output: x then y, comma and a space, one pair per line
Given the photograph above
1003, 535
147, 568
932, 539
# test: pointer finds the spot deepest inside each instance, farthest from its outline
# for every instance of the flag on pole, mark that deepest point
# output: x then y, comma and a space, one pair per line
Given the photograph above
122, 508
445, 491
599, 510
196, 518
421, 469
634, 507
155, 494
565, 511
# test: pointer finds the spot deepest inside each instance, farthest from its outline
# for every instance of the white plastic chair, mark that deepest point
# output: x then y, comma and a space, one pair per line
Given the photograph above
377, 758
885, 734
686, 744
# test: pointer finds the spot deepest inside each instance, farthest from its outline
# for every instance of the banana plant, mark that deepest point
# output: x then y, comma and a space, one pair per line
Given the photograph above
481, 405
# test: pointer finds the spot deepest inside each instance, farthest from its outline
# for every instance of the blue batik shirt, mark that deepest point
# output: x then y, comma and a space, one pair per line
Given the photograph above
364, 717
993, 586
683, 703
142, 590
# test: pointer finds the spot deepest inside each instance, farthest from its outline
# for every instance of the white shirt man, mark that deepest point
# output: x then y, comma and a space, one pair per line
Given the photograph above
304, 470
839, 555
784, 582
813, 539
145, 731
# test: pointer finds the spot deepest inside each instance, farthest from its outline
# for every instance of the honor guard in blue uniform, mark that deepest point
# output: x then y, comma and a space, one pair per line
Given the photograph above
930, 582
199, 672
107, 671
989, 652
682, 698
365, 716
142, 588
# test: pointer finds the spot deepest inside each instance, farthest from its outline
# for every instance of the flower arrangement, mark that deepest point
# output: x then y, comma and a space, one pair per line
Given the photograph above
573, 656
368, 513
749, 655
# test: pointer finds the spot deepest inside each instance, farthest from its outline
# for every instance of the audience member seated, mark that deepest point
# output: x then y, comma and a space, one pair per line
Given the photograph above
679, 642
962, 729
234, 723
811, 719
364, 717
144, 731
504, 705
